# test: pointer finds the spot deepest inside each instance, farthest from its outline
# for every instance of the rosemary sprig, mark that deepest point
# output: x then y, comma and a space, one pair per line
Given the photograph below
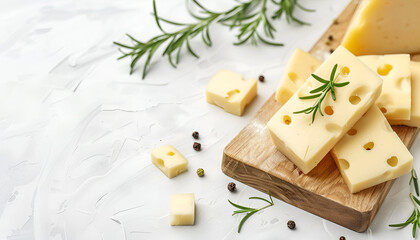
321, 92
414, 217
414, 180
248, 17
250, 211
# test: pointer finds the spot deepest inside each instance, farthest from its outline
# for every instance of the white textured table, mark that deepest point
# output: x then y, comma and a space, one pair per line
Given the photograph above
76, 130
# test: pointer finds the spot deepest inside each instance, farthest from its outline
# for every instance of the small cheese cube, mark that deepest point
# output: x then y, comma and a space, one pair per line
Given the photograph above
182, 209
169, 160
306, 143
415, 98
371, 153
382, 27
395, 99
230, 91
299, 67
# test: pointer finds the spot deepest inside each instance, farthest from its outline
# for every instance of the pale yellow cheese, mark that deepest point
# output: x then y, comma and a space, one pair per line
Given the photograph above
415, 98
299, 67
169, 160
371, 153
384, 26
230, 91
306, 143
182, 209
394, 69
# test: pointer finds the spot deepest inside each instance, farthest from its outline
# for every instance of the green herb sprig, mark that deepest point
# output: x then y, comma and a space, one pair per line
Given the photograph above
321, 92
250, 211
414, 180
414, 217
248, 17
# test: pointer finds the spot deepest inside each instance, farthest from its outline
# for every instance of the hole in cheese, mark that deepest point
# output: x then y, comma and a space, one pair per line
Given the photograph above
354, 100
392, 161
287, 120
383, 110
344, 163
293, 76
171, 153
332, 127
160, 162
328, 110
352, 132
403, 84
384, 69
345, 71
368, 146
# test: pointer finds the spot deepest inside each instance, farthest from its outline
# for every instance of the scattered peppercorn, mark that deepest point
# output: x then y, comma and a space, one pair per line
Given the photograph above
291, 224
232, 186
200, 172
342, 238
197, 146
195, 135
330, 37
261, 78
331, 50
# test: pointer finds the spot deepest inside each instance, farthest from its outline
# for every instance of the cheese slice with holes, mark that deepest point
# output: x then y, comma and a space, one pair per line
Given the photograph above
169, 160
299, 67
306, 143
371, 153
230, 91
394, 69
415, 98
384, 26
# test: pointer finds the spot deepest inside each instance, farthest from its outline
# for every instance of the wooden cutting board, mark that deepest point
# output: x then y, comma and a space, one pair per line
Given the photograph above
252, 158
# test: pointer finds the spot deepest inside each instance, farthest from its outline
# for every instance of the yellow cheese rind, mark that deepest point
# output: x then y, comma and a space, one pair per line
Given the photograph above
415, 98
383, 27
388, 157
182, 209
306, 143
169, 160
230, 91
395, 98
299, 67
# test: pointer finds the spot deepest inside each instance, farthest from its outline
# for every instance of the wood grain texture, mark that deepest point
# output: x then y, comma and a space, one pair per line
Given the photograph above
253, 159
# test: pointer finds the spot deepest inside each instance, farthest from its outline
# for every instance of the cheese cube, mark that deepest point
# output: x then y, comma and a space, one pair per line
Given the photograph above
169, 160
230, 91
299, 67
395, 99
371, 153
415, 98
182, 209
382, 27
306, 143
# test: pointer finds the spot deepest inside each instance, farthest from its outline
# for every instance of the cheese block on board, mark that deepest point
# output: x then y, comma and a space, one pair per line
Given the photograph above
230, 91
394, 69
384, 26
371, 153
299, 67
415, 98
169, 160
306, 143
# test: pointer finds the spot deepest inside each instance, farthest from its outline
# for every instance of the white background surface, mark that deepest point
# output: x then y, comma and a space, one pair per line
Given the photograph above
76, 129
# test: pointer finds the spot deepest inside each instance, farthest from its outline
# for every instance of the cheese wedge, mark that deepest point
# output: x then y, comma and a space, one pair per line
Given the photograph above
394, 69
371, 153
299, 67
230, 91
384, 26
169, 160
182, 209
306, 143
415, 98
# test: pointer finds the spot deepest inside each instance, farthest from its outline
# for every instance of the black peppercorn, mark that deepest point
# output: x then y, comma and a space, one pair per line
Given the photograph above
195, 135
197, 146
331, 50
330, 38
291, 224
261, 78
231, 186
342, 238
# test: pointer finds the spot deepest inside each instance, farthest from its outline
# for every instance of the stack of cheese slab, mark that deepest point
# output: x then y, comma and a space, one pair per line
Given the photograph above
366, 149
